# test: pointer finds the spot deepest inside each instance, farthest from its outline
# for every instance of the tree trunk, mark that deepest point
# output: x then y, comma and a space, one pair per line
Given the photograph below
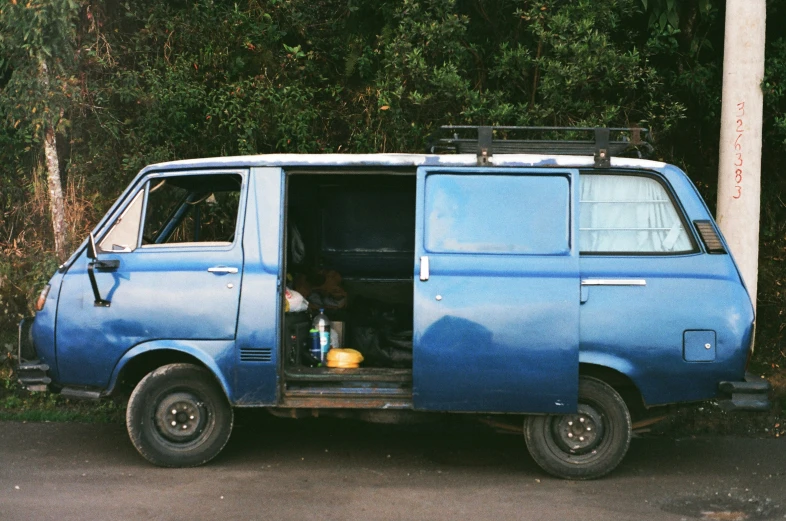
56, 205
55, 186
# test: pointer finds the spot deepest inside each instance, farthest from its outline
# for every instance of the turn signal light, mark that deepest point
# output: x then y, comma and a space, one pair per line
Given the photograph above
39, 304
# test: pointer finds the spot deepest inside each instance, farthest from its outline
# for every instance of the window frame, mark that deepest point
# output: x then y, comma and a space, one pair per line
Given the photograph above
143, 185
675, 202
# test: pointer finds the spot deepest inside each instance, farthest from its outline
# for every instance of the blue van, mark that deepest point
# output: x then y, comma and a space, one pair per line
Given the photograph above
552, 283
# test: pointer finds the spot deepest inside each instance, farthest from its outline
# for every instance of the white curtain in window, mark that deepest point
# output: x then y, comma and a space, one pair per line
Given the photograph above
628, 213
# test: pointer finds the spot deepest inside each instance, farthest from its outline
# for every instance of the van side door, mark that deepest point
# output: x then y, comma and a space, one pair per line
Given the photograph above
178, 260
496, 298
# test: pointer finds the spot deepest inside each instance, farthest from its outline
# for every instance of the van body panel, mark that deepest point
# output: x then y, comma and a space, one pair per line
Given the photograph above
645, 324
495, 331
43, 327
217, 355
617, 362
256, 359
156, 293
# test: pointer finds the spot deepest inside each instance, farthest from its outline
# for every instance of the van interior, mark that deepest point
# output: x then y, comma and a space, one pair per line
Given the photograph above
350, 241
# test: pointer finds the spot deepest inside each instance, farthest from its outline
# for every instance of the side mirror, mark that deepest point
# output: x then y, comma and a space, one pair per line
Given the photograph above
91, 247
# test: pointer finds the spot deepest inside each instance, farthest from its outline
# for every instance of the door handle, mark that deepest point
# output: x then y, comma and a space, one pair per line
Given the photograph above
424, 268
613, 282
222, 269
587, 283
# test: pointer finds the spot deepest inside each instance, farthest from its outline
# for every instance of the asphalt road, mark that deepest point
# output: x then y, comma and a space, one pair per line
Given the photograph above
332, 469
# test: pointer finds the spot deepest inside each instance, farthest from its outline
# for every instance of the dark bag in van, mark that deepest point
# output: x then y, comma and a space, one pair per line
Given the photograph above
382, 332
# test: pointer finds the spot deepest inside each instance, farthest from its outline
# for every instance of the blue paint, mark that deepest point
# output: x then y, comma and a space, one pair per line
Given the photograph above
157, 293
43, 329
216, 355
257, 383
644, 325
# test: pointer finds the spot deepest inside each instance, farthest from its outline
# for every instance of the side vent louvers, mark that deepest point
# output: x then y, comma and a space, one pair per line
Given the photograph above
709, 237
256, 354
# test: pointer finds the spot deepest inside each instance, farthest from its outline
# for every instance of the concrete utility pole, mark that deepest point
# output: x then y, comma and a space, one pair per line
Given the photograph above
739, 173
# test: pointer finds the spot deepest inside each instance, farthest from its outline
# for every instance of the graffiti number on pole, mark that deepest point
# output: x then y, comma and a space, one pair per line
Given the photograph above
739, 129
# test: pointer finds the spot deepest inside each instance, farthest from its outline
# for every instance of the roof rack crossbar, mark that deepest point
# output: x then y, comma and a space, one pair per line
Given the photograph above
486, 140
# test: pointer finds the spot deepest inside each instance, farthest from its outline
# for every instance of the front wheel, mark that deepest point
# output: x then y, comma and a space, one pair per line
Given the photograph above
585, 445
178, 416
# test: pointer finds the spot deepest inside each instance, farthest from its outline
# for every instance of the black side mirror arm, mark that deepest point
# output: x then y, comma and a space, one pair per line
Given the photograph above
101, 265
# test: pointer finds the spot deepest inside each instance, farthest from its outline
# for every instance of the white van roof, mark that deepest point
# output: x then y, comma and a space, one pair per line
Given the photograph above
399, 160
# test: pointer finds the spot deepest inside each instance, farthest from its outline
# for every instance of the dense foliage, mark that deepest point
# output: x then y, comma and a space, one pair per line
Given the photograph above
140, 81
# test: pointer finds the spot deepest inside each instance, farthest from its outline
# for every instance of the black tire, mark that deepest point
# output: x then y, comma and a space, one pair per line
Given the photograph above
585, 445
178, 416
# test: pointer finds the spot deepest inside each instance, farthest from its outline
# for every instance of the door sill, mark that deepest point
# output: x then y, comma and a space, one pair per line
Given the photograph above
361, 374
348, 398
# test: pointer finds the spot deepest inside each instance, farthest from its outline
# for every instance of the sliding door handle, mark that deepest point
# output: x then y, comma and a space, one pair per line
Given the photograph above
424, 268
613, 282
222, 269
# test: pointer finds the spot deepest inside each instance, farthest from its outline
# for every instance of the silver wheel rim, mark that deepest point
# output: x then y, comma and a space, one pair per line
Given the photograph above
181, 417
579, 433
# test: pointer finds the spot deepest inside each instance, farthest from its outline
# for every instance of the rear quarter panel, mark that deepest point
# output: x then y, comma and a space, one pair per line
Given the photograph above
638, 330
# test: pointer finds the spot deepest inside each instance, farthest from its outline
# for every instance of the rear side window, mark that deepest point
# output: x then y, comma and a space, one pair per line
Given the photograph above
629, 214
502, 214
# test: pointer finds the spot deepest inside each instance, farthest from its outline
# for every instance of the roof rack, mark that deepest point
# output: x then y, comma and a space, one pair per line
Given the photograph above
485, 141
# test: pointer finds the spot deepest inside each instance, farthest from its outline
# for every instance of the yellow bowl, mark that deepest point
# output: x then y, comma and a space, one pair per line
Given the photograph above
341, 365
344, 356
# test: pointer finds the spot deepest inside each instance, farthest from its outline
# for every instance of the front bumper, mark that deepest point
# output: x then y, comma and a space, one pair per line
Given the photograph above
749, 395
32, 374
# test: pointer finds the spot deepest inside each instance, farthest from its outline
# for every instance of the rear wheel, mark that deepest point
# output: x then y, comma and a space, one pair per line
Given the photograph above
585, 445
178, 416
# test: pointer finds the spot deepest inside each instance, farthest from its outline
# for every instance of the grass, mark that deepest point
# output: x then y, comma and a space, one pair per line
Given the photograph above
18, 404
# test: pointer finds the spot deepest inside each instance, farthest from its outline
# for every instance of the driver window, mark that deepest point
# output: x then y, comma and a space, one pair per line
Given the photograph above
192, 210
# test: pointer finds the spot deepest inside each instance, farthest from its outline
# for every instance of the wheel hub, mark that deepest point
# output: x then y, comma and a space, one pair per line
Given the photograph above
579, 433
180, 417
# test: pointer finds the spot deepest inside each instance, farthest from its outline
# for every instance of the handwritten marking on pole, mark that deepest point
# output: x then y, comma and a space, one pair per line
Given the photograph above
738, 159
